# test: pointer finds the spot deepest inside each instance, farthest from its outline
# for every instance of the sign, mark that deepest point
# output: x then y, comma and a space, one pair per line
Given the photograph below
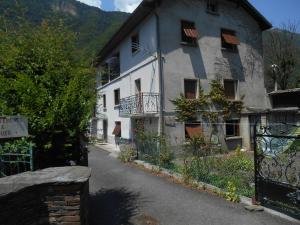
13, 127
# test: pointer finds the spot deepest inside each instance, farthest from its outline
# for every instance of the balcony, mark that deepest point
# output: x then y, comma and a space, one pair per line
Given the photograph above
139, 105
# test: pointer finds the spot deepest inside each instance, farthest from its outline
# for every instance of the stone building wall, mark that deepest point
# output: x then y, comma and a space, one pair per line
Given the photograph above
59, 196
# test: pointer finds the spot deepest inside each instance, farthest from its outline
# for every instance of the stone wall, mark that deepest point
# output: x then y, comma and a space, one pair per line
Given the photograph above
55, 196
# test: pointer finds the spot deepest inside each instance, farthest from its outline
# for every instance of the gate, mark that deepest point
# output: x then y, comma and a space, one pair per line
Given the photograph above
277, 167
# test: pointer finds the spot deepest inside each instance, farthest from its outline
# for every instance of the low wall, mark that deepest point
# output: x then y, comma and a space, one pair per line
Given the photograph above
54, 196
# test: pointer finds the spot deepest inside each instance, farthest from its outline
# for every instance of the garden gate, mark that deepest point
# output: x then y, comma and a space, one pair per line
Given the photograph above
277, 167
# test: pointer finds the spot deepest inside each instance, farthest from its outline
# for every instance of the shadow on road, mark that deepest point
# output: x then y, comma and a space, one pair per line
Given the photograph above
112, 207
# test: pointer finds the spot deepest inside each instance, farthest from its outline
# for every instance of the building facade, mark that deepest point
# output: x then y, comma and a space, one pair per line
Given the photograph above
171, 47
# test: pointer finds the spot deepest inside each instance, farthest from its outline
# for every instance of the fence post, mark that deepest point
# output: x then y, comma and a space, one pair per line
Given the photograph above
255, 163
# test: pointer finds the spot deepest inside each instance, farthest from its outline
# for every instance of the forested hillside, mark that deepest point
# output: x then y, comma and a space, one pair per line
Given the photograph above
92, 25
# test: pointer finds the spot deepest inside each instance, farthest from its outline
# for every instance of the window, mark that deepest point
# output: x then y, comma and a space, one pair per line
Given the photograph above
104, 74
193, 130
137, 86
230, 87
212, 6
135, 43
104, 101
229, 40
190, 89
114, 66
117, 97
232, 128
117, 130
189, 33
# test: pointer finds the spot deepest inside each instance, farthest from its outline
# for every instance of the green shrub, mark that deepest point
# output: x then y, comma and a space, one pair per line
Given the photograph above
127, 154
231, 194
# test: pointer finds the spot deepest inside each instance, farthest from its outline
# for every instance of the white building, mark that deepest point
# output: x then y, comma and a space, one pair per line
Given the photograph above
167, 47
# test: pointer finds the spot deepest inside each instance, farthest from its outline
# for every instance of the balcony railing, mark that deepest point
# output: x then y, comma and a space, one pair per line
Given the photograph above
139, 104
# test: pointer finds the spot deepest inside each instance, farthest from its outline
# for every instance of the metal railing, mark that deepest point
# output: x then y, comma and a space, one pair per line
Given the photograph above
139, 104
14, 163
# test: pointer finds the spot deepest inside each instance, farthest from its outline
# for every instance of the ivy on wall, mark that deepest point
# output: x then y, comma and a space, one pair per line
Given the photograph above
209, 106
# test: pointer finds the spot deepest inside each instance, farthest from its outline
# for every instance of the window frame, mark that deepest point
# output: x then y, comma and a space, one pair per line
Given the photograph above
185, 40
235, 123
208, 8
117, 97
135, 50
196, 87
224, 45
104, 101
235, 83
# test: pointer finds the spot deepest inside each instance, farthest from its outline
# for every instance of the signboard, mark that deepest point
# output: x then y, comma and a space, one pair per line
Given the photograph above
13, 127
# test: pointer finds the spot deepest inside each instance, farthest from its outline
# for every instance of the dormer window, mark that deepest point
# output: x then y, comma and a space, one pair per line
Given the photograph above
212, 6
189, 33
135, 43
229, 40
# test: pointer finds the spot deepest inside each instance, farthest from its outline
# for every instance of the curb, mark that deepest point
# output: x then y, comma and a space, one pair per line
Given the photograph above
244, 200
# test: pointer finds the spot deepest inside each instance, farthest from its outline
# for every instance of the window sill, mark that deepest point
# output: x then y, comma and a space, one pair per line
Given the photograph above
213, 13
233, 138
229, 50
189, 44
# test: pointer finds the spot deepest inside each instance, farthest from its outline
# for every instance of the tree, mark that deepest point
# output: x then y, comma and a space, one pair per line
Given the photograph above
282, 55
41, 79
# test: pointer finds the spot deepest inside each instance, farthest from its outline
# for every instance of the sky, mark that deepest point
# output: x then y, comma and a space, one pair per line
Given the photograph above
276, 11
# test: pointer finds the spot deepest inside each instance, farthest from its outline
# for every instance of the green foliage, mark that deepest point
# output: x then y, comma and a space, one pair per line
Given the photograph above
127, 154
231, 194
237, 169
210, 107
154, 149
41, 79
92, 26
20, 146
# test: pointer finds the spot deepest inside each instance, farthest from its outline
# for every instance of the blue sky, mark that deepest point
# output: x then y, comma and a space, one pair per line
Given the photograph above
276, 11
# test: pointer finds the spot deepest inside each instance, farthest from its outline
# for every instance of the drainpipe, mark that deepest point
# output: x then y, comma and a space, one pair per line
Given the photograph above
161, 78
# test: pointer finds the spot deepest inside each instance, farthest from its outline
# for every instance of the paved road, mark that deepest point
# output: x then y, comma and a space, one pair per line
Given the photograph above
123, 195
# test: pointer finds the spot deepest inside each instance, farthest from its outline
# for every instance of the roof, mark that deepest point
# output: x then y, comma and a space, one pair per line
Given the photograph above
295, 90
146, 8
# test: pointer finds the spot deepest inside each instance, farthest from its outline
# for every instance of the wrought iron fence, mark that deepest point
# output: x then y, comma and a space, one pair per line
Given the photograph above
277, 167
14, 163
139, 104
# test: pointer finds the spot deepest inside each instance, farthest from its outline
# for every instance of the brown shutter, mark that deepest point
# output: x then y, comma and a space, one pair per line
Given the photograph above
231, 39
192, 33
193, 130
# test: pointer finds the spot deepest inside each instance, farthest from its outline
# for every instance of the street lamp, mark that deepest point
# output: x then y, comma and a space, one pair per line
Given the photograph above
275, 70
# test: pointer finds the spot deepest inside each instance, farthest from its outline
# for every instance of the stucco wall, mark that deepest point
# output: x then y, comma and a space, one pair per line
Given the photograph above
207, 61
141, 65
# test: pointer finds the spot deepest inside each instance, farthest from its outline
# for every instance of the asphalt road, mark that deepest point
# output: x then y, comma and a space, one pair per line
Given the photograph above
124, 195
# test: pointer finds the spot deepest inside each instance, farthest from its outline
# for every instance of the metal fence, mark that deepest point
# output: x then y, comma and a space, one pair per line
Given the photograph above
17, 162
277, 167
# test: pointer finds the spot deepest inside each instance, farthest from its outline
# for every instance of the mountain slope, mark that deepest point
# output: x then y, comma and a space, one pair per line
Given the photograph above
92, 25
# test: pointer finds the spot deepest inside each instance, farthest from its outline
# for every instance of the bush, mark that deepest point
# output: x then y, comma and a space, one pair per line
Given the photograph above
127, 154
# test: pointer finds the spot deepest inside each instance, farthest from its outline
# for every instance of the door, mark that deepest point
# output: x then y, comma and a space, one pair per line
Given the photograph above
105, 130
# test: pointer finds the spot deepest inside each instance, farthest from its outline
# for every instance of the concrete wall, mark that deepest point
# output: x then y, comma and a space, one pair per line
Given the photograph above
208, 61
53, 196
141, 65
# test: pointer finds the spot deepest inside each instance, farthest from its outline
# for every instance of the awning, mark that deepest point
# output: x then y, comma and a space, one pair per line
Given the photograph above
194, 131
117, 130
192, 33
231, 39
